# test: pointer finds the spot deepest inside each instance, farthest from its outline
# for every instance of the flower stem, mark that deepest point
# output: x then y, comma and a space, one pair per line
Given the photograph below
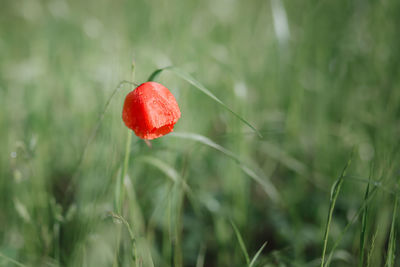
124, 170
120, 190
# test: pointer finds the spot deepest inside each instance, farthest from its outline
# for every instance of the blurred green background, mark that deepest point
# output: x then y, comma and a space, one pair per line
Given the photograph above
319, 79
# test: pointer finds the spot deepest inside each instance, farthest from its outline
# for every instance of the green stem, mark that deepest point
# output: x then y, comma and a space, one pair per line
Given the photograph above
334, 196
123, 172
115, 263
120, 191
178, 256
328, 224
120, 188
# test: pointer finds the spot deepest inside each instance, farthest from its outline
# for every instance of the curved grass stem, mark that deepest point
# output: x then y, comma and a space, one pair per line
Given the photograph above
334, 196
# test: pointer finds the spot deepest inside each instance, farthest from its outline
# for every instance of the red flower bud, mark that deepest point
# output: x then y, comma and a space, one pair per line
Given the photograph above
150, 111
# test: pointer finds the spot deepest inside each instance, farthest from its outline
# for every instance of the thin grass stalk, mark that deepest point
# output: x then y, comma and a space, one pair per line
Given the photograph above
334, 196
178, 255
241, 243
392, 237
2, 256
364, 224
371, 249
167, 239
120, 190
120, 193
352, 221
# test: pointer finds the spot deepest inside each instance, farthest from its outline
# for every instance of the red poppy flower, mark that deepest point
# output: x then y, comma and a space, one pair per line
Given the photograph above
150, 111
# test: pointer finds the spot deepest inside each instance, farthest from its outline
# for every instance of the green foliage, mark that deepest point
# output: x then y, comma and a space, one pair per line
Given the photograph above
315, 78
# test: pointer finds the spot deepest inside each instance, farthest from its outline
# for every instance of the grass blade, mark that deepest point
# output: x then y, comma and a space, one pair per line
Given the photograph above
351, 222
364, 224
267, 186
241, 243
371, 249
392, 238
334, 195
170, 172
131, 234
187, 77
119, 187
11, 260
253, 261
201, 256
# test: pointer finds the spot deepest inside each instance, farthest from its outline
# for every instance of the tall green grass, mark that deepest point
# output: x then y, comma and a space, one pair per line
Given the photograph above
307, 81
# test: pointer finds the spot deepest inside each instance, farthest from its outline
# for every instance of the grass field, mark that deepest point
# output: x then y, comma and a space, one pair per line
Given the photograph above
320, 80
